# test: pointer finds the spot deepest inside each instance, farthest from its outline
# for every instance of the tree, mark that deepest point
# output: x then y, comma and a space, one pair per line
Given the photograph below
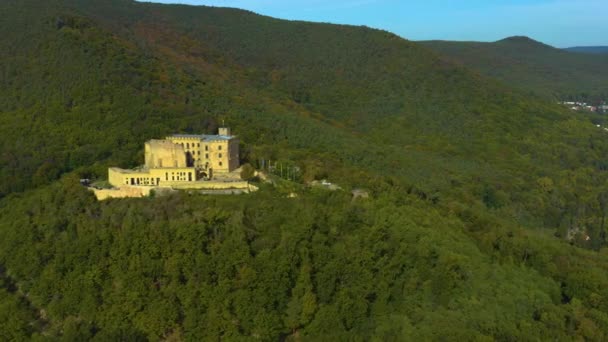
303, 303
247, 172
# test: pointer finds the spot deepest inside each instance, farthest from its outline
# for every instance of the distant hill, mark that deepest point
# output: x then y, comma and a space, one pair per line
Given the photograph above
589, 49
533, 66
486, 216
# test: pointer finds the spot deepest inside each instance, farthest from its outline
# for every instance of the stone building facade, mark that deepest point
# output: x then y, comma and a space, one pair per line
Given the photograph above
181, 159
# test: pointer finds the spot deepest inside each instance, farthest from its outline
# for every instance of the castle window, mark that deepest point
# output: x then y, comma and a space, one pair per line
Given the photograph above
206, 147
198, 145
187, 145
220, 155
219, 147
220, 163
206, 155
198, 152
167, 176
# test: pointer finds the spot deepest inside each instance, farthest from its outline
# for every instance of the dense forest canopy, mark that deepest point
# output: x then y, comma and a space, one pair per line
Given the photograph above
486, 216
557, 74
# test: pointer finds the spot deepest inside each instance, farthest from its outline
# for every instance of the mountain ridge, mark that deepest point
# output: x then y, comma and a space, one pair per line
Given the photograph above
486, 209
532, 66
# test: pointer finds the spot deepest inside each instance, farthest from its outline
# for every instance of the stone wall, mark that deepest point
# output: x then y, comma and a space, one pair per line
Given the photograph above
144, 191
122, 192
214, 185
154, 177
164, 153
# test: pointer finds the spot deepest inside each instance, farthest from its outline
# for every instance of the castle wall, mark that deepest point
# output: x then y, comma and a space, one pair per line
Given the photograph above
163, 153
215, 185
145, 191
193, 147
123, 192
218, 152
168, 177
221, 155
153, 177
233, 157
177, 161
121, 177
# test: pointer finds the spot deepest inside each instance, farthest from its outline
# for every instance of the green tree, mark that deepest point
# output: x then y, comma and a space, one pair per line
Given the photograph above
303, 302
247, 172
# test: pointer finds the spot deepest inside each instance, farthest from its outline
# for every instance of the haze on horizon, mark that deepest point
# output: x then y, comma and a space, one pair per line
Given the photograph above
559, 23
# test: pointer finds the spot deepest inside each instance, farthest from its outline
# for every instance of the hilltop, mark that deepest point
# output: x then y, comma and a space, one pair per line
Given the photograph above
533, 66
486, 209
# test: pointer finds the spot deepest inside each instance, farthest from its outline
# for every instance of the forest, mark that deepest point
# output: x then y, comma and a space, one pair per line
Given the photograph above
542, 70
487, 211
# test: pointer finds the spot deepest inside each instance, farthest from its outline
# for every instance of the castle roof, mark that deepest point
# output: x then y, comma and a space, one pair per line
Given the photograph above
208, 137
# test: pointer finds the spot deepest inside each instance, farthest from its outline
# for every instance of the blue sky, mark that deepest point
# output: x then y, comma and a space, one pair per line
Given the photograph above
560, 23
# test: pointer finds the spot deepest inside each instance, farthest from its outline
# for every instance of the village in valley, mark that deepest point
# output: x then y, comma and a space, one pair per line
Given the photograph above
601, 108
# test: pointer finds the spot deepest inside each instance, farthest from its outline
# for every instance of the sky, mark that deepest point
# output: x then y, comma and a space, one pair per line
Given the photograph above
561, 23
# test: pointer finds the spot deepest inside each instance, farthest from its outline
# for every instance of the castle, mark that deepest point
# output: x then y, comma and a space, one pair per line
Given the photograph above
181, 160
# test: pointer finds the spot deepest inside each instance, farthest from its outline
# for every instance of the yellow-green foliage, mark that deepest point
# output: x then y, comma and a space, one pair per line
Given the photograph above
320, 265
473, 186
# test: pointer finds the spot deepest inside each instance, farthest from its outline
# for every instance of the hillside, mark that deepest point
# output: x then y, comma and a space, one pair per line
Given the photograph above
588, 49
487, 211
534, 67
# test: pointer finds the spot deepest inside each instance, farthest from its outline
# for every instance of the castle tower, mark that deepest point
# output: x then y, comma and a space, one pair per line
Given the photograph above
224, 131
